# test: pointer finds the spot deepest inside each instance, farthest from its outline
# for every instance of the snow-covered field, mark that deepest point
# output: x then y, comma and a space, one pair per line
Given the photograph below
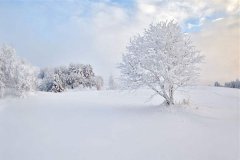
113, 125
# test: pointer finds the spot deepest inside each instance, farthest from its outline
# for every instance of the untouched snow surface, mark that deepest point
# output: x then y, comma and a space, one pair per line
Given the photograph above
113, 125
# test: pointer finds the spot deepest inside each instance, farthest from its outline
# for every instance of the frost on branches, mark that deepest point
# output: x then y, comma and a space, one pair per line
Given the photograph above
16, 76
162, 59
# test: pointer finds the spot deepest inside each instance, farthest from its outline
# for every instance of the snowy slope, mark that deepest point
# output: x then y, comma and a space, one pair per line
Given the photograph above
113, 125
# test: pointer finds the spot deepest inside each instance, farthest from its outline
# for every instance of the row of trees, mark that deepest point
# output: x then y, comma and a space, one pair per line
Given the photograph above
163, 59
68, 77
232, 84
18, 77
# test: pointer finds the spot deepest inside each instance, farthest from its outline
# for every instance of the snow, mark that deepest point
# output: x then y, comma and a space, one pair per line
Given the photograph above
114, 125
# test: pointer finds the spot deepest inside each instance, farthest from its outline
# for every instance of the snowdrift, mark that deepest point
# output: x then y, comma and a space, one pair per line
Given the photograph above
114, 125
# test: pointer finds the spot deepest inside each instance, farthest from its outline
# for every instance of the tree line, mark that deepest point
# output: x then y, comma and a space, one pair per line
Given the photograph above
232, 84
18, 77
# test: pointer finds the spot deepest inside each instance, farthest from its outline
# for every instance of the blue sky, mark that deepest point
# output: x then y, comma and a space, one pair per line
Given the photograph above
58, 32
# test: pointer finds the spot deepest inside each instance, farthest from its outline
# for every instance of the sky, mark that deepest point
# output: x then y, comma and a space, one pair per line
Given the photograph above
50, 33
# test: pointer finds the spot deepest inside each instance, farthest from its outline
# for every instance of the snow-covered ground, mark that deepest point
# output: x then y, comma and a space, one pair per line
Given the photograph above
113, 125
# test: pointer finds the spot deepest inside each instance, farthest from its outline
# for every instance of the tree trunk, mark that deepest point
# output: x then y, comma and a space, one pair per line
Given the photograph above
170, 101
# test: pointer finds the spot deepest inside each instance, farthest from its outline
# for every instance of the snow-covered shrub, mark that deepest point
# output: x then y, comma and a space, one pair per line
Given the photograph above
16, 76
74, 76
163, 58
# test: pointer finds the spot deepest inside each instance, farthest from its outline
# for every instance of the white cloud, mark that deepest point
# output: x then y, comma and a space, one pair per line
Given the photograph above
97, 32
147, 8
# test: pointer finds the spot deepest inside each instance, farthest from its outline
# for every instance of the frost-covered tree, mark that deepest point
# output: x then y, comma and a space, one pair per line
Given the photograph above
88, 76
2, 77
16, 76
99, 82
45, 79
52, 80
111, 83
25, 78
2, 85
57, 84
80, 75
163, 58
